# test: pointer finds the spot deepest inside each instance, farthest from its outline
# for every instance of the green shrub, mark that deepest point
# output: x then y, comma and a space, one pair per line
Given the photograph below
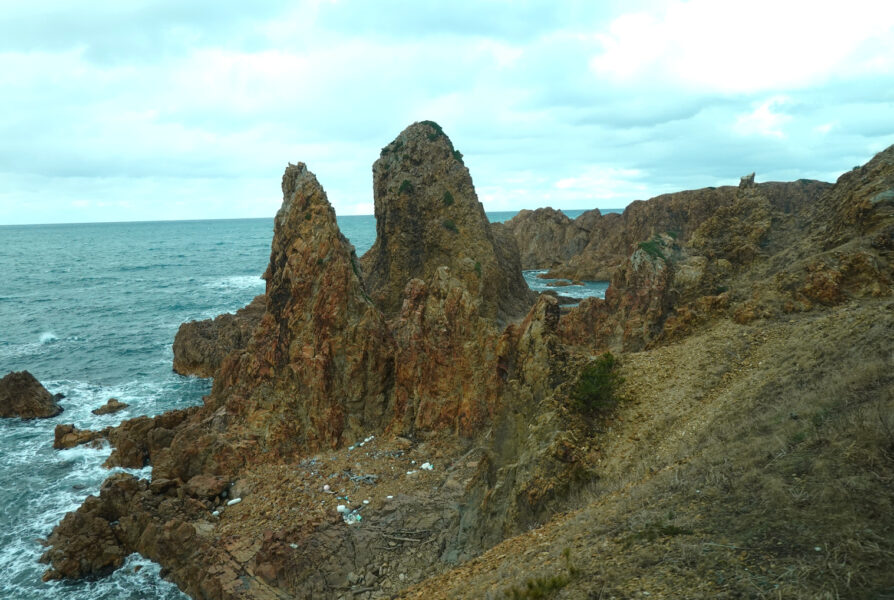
448, 224
596, 388
405, 187
438, 131
458, 156
652, 248
448, 199
478, 268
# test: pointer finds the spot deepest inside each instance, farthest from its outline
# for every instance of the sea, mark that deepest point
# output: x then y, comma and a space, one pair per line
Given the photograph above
91, 311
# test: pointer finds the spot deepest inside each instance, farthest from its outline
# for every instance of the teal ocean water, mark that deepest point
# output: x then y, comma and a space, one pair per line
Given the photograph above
91, 310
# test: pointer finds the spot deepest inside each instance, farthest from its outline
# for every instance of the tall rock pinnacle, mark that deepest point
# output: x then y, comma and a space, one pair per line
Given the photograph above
428, 216
317, 357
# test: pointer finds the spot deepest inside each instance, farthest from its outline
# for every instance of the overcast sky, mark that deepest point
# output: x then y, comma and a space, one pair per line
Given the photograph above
173, 109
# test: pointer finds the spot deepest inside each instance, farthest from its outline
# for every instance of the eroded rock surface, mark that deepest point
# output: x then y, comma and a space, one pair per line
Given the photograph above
604, 242
200, 346
428, 216
547, 238
23, 396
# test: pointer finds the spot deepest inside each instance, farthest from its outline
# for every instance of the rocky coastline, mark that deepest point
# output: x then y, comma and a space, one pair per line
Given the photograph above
408, 422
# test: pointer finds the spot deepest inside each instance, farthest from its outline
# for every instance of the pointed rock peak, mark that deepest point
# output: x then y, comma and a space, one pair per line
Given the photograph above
320, 334
428, 216
308, 247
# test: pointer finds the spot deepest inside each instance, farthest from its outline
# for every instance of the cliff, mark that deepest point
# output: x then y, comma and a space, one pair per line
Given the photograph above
392, 422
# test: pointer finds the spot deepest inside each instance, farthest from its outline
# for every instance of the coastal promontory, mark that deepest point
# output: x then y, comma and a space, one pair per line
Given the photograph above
416, 423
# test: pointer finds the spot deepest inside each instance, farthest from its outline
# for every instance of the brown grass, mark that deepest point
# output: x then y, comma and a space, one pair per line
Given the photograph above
750, 461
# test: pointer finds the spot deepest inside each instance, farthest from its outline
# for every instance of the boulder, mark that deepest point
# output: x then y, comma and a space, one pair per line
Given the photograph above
205, 487
22, 395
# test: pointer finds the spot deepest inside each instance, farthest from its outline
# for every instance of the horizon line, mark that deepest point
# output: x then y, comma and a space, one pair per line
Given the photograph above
147, 221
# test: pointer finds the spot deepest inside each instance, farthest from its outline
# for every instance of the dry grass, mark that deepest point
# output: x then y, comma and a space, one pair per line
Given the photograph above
747, 462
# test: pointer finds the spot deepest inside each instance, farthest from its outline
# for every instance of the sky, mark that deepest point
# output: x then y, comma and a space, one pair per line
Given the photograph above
165, 109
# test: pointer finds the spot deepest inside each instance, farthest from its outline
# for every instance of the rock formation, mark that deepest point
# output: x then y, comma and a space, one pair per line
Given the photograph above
112, 406
428, 216
547, 238
317, 370
608, 240
21, 395
423, 392
200, 346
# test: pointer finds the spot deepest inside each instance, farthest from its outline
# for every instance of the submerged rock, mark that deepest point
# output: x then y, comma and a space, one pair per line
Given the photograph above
22, 395
112, 406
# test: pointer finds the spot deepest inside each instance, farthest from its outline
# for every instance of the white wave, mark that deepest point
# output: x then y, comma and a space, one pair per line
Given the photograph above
237, 282
48, 336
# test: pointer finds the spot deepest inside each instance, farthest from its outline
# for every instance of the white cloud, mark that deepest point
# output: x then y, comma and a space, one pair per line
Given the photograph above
734, 47
173, 110
764, 120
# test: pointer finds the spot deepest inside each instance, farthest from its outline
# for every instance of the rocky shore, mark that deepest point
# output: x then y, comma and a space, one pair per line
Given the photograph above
410, 421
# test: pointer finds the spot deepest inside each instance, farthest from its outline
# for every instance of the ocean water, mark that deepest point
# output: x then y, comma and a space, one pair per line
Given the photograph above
91, 310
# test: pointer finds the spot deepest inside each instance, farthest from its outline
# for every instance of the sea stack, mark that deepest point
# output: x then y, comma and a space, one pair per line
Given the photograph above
428, 216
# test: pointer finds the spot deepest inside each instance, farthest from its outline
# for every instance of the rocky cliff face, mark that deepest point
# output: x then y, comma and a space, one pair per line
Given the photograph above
547, 238
21, 395
428, 216
200, 346
605, 241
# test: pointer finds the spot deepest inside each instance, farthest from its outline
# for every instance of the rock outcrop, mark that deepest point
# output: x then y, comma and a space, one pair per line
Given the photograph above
609, 239
547, 238
23, 396
200, 346
68, 436
112, 406
421, 353
428, 216
318, 368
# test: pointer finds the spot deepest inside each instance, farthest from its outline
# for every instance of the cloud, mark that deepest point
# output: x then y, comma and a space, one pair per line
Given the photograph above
163, 109
764, 120
748, 47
